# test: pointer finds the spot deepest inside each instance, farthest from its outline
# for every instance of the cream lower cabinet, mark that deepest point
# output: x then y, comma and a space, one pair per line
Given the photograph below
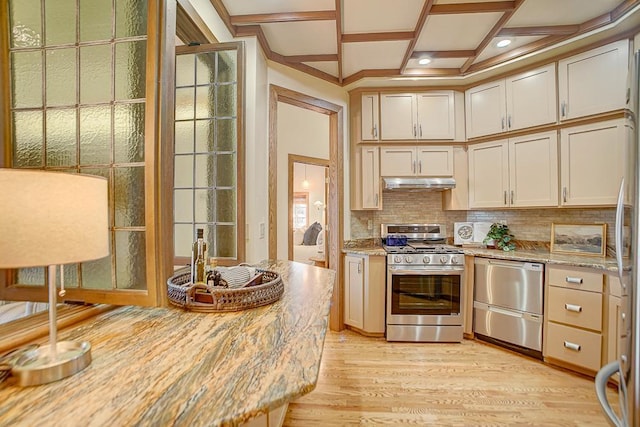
574, 326
518, 172
403, 161
593, 160
364, 293
615, 318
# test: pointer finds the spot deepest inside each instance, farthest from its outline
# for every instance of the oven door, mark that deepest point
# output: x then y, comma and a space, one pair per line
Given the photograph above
425, 295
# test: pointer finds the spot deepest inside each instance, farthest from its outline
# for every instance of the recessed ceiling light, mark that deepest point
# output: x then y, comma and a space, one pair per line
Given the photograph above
503, 43
424, 61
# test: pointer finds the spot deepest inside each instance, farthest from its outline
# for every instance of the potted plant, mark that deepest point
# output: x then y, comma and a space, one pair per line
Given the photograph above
501, 235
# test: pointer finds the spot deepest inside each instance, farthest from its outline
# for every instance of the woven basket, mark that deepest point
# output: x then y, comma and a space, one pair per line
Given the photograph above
208, 299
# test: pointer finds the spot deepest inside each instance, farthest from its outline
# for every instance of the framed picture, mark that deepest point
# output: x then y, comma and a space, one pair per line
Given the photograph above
579, 239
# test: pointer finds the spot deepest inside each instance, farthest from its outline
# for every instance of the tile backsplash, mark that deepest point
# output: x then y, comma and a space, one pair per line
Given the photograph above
426, 206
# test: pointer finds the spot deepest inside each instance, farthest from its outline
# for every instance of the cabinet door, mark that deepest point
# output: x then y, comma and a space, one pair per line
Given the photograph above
370, 114
485, 109
533, 170
397, 161
370, 178
436, 115
488, 174
398, 116
615, 328
594, 81
434, 161
592, 163
354, 291
531, 98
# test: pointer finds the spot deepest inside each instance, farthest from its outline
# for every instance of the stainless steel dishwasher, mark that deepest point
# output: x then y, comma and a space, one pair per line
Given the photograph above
507, 306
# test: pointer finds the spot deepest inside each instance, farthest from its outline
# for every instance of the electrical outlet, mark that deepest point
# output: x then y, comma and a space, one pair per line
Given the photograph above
261, 227
369, 224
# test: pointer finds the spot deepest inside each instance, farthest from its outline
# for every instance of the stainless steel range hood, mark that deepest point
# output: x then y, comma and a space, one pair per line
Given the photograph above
433, 184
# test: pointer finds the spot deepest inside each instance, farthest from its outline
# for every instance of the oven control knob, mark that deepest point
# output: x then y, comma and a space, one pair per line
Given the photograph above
454, 260
426, 260
408, 259
397, 259
443, 259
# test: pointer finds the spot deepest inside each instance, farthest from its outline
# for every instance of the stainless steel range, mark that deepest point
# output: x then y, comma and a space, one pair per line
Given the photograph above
425, 278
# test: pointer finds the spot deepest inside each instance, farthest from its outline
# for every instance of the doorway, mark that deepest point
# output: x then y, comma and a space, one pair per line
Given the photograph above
308, 202
335, 195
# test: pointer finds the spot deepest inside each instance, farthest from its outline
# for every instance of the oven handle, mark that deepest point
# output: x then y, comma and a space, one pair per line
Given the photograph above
444, 270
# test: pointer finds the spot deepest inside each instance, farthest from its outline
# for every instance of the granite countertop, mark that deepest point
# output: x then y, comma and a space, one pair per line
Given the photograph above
168, 366
543, 256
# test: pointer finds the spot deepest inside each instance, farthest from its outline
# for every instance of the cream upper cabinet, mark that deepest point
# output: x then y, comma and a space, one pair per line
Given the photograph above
489, 174
593, 82
592, 162
428, 161
371, 178
519, 172
533, 170
370, 117
421, 116
517, 102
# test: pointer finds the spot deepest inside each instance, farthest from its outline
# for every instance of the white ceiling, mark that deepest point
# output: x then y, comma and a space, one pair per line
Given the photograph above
351, 42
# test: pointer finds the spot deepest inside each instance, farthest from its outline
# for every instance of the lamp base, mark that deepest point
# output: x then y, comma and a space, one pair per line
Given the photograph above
42, 365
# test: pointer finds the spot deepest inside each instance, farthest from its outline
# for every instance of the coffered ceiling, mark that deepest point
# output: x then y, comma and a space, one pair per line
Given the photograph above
346, 41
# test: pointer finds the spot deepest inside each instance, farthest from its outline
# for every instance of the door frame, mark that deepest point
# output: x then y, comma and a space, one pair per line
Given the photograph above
335, 194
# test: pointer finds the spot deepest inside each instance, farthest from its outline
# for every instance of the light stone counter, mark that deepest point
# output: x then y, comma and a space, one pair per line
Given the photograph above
167, 366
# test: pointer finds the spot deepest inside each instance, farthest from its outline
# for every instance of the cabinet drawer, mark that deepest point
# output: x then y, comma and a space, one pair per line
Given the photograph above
575, 346
575, 307
576, 279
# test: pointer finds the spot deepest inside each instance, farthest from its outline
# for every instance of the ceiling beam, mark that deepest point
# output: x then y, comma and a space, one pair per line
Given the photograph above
551, 30
426, 9
224, 15
492, 33
311, 58
378, 37
439, 54
495, 6
269, 18
190, 28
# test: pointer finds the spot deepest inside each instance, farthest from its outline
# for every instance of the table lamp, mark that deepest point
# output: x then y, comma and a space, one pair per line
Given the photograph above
49, 219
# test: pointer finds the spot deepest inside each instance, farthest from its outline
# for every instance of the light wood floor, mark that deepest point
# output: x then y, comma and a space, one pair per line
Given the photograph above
366, 381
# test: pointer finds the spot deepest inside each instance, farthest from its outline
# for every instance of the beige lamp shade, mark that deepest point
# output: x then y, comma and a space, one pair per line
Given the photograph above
50, 218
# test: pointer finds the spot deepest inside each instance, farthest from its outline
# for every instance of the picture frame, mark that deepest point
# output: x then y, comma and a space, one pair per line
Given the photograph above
579, 239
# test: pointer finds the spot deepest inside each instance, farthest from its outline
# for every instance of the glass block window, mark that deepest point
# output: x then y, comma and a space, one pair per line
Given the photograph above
77, 75
206, 150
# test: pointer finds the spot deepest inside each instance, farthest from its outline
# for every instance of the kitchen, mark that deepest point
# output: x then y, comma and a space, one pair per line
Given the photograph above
526, 224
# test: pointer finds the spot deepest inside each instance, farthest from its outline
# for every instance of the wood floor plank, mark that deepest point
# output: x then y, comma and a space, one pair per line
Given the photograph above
367, 381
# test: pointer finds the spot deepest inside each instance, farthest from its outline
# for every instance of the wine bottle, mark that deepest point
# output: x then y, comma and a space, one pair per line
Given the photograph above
198, 258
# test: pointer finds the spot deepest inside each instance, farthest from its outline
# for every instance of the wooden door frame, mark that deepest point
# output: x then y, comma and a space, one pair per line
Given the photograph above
311, 161
335, 195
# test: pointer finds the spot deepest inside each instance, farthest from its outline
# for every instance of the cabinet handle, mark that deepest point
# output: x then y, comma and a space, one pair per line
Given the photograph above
375, 131
509, 121
359, 268
420, 126
511, 196
505, 197
419, 166
576, 280
503, 123
413, 166
564, 194
563, 108
573, 307
376, 204
415, 133
572, 346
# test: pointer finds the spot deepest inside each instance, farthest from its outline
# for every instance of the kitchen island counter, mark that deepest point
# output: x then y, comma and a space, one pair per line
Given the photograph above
168, 366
